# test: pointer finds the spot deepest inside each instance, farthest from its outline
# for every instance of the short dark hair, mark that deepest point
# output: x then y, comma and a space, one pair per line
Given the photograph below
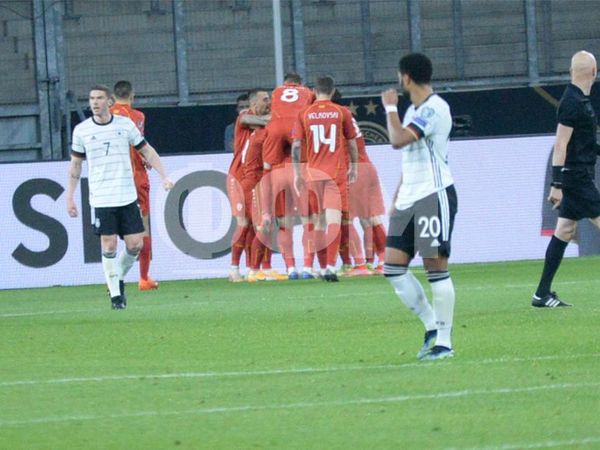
325, 85
103, 88
123, 89
242, 97
254, 92
292, 77
417, 66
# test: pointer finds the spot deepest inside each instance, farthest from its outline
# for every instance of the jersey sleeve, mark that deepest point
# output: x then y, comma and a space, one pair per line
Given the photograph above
349, 129
424, 122
77, 147
134, 136
568, 113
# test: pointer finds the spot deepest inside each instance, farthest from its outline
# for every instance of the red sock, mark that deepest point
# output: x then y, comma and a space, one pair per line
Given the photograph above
248, 245
368, 240
321, 241
286, 245
355, 246
379, 238
333, 237
308, 243
345, 244
145, 257
266, 262
257, 252
238, 242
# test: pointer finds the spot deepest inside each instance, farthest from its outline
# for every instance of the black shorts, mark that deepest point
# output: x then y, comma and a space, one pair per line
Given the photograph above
121, 220
434, 216
581, 199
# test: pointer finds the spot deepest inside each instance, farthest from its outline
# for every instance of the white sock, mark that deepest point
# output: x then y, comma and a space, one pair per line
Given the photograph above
291, 269
126, 261
111, 274
410, 291
443, 306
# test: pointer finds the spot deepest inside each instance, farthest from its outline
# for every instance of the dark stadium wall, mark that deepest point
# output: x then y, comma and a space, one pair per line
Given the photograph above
489, 113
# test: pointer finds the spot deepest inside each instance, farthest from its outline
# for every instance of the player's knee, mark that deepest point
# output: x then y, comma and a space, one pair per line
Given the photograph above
135, 247
565, 231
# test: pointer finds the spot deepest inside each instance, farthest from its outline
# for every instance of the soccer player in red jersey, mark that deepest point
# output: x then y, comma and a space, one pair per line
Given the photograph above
323, 127
123, 100
251, 174
287, 101
245, 124
366, 203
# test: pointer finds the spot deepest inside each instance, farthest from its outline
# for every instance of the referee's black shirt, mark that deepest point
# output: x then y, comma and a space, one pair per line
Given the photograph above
575, 110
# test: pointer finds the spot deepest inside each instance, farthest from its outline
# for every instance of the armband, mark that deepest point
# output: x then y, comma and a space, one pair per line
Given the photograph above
390, 108
557, 177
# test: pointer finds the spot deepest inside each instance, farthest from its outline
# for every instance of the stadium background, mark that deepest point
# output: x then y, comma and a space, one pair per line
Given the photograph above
501, 64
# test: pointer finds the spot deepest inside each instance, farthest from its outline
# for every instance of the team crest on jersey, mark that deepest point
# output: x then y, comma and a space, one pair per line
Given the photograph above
97, 222
373, 133
427, 112
239, 207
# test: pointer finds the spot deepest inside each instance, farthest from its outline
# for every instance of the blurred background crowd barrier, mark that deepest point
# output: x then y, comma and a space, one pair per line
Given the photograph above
196, 56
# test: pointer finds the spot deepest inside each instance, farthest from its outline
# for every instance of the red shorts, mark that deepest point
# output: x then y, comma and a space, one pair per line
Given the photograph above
309, 202
283, 200
235, 192
257, 209
329, 194
143, 194
278, 140
365, 197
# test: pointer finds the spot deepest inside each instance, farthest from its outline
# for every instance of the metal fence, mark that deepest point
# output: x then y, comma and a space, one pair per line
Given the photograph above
180, 52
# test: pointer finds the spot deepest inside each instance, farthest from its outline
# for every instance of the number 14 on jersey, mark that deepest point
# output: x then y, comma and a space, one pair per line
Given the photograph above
319, 137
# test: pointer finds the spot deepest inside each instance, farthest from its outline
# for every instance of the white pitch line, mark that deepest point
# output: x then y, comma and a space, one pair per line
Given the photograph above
303, 405
268, 372
543, 444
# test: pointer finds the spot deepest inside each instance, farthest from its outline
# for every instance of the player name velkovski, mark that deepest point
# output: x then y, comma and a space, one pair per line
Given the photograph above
323, 115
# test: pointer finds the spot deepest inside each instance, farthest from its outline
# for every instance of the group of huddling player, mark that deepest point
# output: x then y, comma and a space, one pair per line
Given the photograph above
300, 158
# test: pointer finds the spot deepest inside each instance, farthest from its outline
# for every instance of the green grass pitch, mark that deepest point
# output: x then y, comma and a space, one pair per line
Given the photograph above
302, 365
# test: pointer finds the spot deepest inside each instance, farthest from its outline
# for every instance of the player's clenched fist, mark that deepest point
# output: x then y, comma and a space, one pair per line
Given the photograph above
71, 208
389, 97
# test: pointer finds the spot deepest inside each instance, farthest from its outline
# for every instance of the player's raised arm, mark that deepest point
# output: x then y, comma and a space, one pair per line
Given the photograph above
251, 120
399, 136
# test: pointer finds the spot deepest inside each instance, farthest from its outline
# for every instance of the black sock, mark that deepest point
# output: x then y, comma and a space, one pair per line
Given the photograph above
554, 254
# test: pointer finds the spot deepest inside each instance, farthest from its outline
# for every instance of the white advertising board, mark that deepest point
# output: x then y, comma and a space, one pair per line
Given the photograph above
500, 185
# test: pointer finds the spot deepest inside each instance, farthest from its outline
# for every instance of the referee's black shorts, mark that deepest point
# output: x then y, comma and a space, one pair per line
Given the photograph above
580, 199
426, 227
121, 220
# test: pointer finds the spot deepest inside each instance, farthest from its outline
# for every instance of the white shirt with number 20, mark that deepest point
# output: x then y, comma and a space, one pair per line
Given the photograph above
425, 162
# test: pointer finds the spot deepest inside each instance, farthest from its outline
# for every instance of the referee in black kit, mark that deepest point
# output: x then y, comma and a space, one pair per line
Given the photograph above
573, 165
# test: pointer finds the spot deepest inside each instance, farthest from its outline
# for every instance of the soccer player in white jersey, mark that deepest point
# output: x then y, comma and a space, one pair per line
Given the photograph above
425, 204
104, 140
